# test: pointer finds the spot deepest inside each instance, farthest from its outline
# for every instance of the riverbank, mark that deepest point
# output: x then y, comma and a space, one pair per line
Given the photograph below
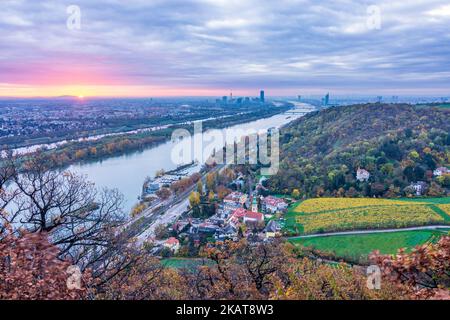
93, 150
127, 172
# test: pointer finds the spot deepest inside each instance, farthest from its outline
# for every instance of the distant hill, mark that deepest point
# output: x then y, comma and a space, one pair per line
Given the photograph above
65, 97
396, 144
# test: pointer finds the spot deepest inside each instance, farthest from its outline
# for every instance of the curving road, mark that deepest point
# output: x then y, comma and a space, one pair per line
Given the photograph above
356, 232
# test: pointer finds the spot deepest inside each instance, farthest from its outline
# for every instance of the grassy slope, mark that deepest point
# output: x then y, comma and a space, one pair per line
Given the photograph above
183, 263
357, 247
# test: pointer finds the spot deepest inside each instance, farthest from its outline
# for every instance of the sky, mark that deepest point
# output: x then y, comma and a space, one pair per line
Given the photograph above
210, 47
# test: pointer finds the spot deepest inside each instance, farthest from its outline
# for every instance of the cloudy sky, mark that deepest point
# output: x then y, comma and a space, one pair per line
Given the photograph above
209, 47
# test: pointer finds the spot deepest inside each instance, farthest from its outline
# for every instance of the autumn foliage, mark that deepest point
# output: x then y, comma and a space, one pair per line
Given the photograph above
61, 221
274, 271
426, 270
30, 270
146, 279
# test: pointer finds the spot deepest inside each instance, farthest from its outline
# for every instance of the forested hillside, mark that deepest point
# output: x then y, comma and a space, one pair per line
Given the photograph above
398, 145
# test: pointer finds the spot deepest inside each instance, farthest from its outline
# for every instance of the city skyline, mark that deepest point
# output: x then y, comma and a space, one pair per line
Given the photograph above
207, 48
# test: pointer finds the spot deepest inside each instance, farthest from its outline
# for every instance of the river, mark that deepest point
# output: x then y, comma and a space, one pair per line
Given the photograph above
128, 172
57, 144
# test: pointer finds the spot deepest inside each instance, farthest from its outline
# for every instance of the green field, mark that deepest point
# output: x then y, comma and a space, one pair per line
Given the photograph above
183, 263
321, 215
356, 248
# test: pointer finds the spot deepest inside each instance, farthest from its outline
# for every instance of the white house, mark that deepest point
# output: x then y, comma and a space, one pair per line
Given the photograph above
420, 187
172, 244
273, 205
441, 171
362, 175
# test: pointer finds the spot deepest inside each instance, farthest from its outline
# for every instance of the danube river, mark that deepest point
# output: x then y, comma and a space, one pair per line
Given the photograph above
128, 172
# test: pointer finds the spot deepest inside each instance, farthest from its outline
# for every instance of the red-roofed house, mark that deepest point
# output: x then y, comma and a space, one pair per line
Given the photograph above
239, 213
253, 217
235, 198
237, 216
173, 244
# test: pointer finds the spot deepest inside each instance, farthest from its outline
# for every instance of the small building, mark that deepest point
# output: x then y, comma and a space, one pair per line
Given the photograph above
362, 175
241, 215
234, 221
235, 198
272, 230
151, 198
224, 212
207, 228
237, 216
441, 171
152, 187
420, 187
273, 205
180, 226
253, 217
217, 220
228, 208
227, 232
173, 244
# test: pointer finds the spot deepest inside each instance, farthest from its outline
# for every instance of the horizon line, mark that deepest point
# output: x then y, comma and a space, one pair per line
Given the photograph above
306, 96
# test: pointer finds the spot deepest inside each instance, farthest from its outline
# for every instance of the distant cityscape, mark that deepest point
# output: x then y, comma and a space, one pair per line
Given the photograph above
66, 116
41, 117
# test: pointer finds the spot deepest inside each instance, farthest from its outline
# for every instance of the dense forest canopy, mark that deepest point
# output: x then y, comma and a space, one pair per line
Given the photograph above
398, 145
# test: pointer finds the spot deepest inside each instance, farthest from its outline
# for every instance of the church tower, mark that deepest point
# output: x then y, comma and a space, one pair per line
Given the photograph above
254, 205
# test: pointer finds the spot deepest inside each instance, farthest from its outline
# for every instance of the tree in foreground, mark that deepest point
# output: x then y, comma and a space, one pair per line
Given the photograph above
31, 270
74, 216
274, 271
311, 280
425, 270
63, 221
146, 279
